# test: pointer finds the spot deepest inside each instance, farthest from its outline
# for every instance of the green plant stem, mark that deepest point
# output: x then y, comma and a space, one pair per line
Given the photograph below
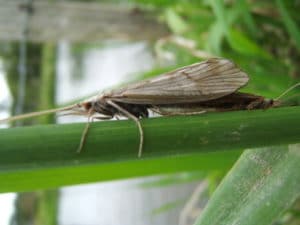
47, 210
47, 92
45, 156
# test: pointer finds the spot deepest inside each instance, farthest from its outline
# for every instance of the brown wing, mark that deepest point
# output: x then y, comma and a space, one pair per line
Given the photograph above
211, 79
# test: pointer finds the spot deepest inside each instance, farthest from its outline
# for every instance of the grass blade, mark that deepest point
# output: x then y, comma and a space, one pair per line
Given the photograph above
291, 26
262, 184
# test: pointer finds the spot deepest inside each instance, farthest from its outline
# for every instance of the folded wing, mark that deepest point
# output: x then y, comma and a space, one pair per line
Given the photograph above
207, 80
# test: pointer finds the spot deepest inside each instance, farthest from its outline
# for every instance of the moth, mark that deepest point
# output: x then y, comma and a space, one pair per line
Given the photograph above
207, 86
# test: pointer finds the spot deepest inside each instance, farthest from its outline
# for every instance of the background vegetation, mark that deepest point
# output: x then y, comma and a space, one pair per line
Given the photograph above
263, 38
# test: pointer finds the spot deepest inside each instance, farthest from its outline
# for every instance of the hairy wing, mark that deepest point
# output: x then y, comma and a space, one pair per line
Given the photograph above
207, 80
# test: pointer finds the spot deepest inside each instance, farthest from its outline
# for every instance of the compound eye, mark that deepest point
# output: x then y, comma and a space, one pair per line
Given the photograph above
86, 105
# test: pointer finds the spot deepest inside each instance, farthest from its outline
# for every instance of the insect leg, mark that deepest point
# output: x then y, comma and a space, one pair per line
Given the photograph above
135, 119
102, 118
84, 134
166, 112
255, 103
87, 127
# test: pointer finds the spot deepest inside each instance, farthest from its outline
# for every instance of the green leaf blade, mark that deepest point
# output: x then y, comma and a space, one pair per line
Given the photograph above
45, 156
261, 185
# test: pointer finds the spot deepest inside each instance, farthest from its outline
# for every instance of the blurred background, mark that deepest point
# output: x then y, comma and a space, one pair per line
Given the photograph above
54, 53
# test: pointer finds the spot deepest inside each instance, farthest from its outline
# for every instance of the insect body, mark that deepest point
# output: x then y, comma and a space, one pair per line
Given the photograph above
210, 85
206, 86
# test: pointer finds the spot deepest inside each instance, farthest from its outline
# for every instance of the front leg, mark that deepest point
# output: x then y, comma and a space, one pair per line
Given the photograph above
91, 119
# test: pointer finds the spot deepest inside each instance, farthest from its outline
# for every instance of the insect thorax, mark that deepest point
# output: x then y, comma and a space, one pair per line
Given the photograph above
139, 111
102, 107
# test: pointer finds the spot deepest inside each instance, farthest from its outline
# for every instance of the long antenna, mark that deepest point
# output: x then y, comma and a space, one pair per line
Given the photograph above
288, 90
34, 114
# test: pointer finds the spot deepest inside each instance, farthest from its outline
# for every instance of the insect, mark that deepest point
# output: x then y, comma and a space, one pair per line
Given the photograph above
206, 86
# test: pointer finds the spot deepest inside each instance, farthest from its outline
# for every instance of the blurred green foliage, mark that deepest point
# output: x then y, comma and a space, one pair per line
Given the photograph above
262, 37
9, 54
